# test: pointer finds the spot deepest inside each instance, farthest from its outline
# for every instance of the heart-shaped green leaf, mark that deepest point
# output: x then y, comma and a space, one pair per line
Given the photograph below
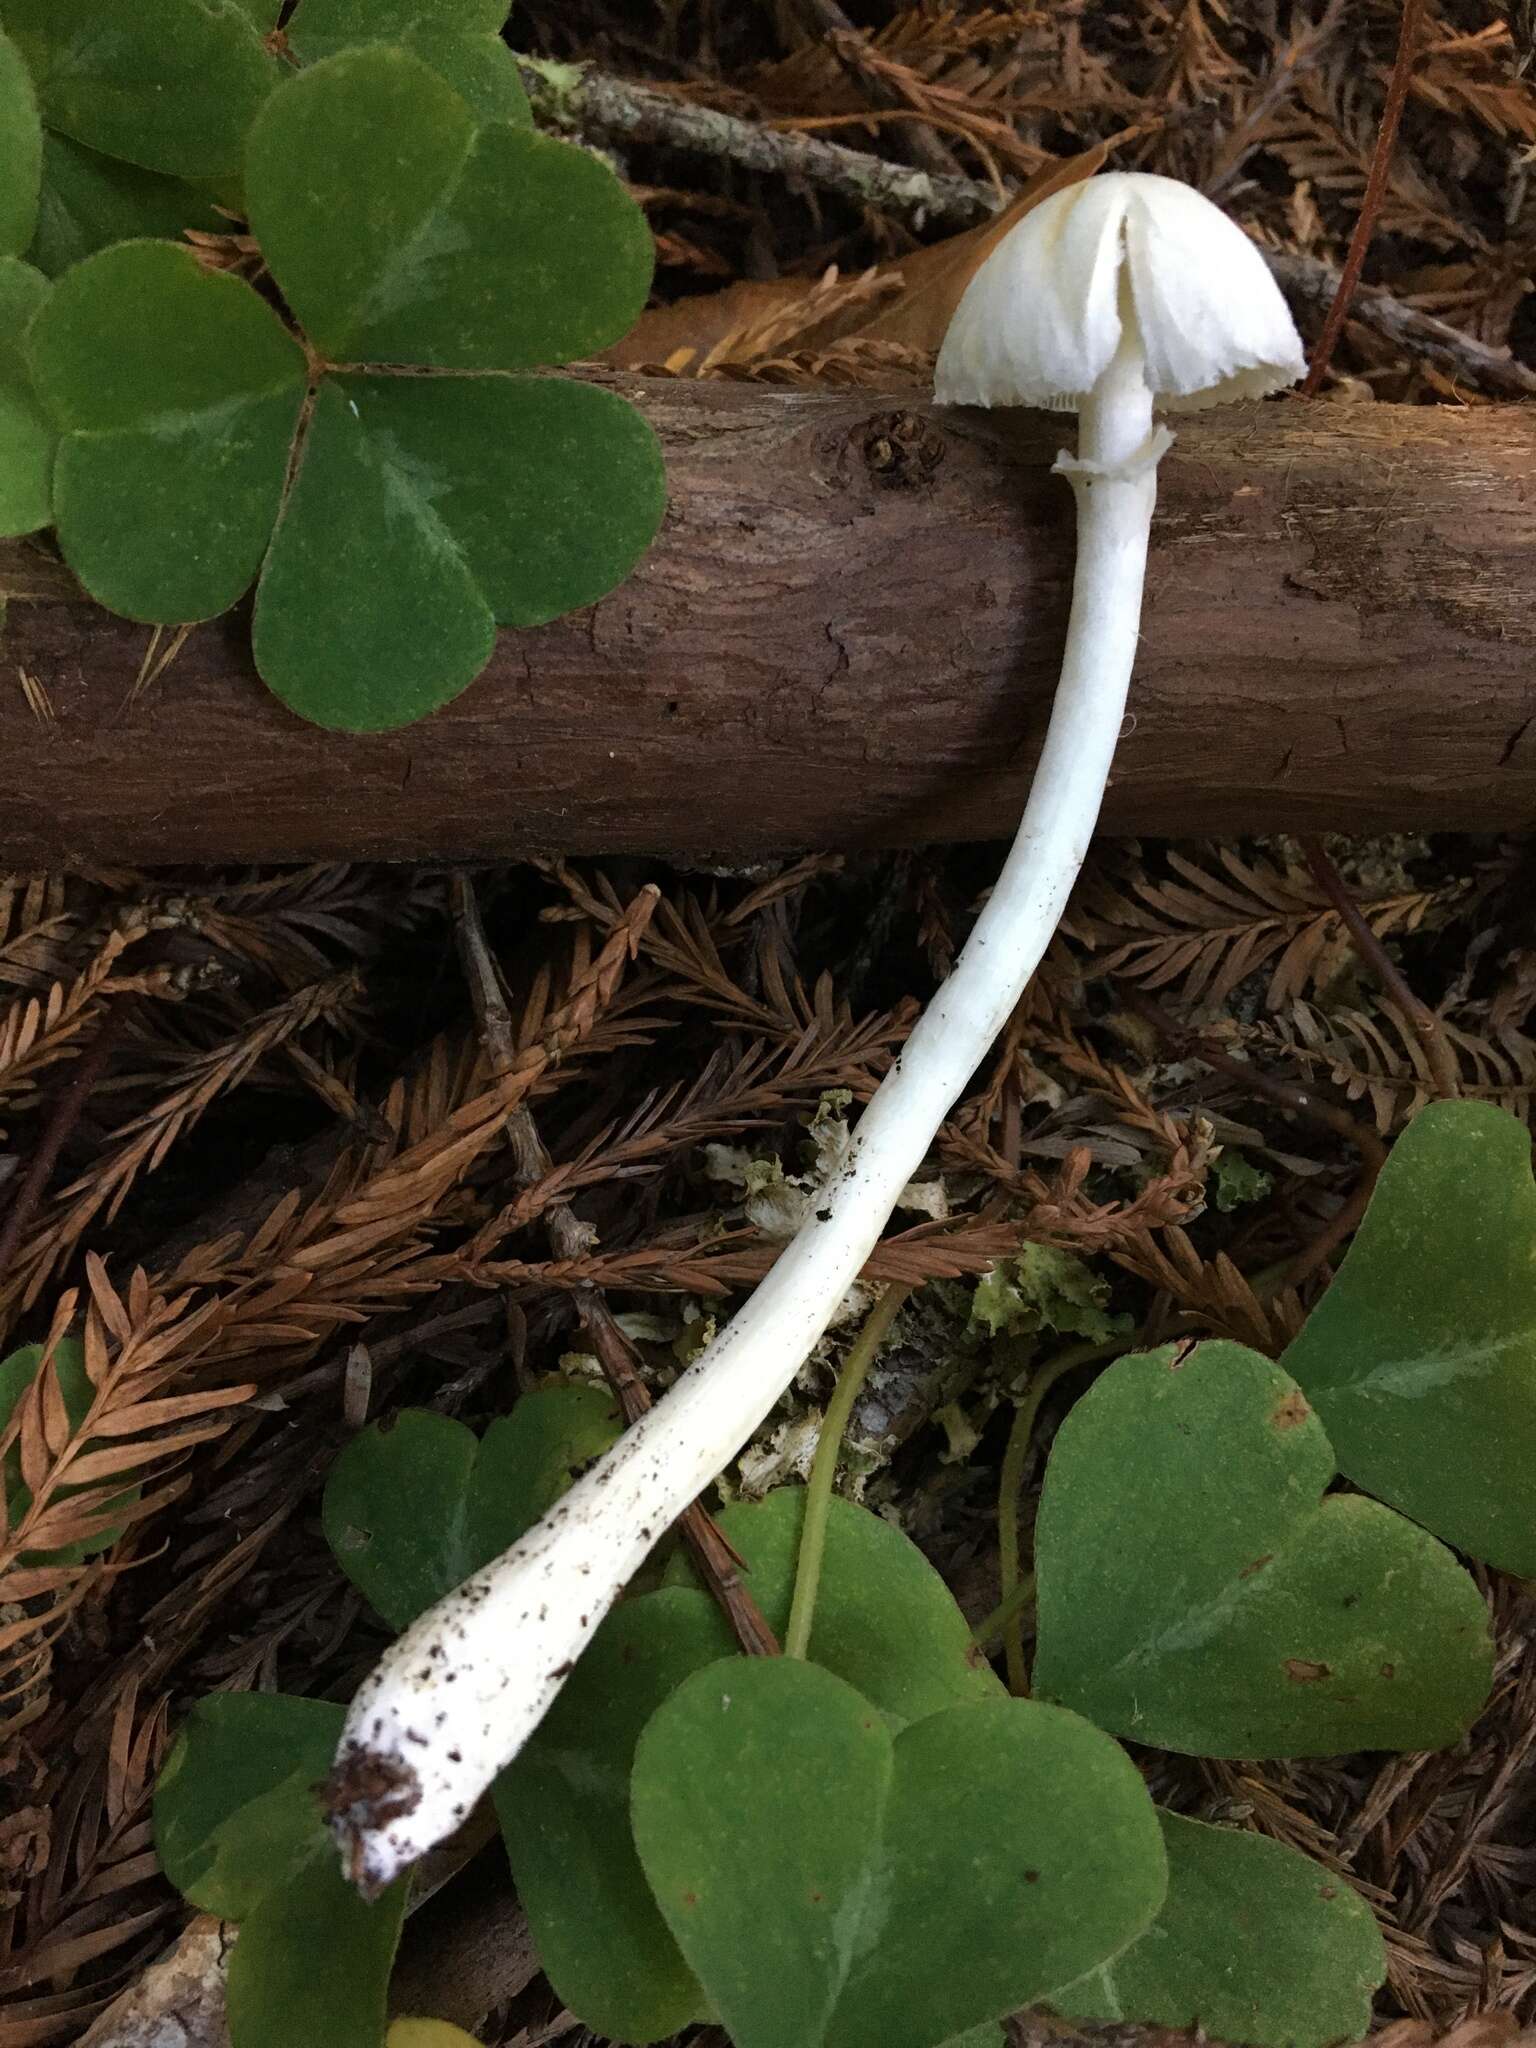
169, 84
1255, 1943
27, 439
89, 201
757, 1803
564, 1813
793, 1845
368, 615
459, 39
369, 185
240, 1833
176, 392
21, 151
885, 1621
412, 1508
1421, 1357
1197, 1592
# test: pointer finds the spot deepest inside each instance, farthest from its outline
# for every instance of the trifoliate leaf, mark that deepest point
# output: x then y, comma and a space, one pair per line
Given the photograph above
1198, 1589
401, 233
397, 518
27, 439
21, 151
176, 392
459, 39
1421, 1357
885, 1620
169, 84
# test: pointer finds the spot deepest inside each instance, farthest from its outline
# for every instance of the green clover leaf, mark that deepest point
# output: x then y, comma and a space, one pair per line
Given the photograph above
401, 232
413, 1508
146, 104
393, 516
795, 1845
885, 1622
27, 439
89, 201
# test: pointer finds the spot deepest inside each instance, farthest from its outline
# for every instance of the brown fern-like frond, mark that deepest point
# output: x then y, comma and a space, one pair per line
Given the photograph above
1201, 933
132, 1436
141, 1145
1376, 1055
39, 1030
765, 1085
300, 925
1468, 78
1212, 1292
1326, 139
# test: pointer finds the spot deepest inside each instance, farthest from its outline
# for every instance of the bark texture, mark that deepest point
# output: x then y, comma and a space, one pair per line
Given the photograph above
847, 635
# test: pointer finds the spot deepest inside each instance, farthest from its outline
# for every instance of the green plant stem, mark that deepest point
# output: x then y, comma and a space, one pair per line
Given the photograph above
990, 1628
818, 1493
1010, 1493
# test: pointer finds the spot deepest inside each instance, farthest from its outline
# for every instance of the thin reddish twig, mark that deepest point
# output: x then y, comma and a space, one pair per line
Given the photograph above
1371, 201
1422, 1019
68, 1105
718, 1565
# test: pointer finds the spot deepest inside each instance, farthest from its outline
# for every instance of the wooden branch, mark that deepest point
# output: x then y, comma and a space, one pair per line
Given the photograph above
848, 635
580, 99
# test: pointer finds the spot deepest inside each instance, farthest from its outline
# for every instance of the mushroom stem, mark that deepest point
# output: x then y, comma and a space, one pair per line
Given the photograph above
459, 1693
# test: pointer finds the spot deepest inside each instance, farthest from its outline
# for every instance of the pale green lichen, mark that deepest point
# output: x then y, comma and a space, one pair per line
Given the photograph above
554, 90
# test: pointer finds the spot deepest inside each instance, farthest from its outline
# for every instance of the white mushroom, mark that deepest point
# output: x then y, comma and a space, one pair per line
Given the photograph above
1116, 296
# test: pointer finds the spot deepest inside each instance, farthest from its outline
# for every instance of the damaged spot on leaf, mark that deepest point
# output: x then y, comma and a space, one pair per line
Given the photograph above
1292, 1412
1303, 1671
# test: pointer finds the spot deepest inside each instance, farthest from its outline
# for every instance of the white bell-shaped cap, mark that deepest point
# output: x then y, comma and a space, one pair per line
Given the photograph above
1040, 321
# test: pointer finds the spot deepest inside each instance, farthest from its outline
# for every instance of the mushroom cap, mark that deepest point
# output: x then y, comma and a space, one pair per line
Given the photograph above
1040, 321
